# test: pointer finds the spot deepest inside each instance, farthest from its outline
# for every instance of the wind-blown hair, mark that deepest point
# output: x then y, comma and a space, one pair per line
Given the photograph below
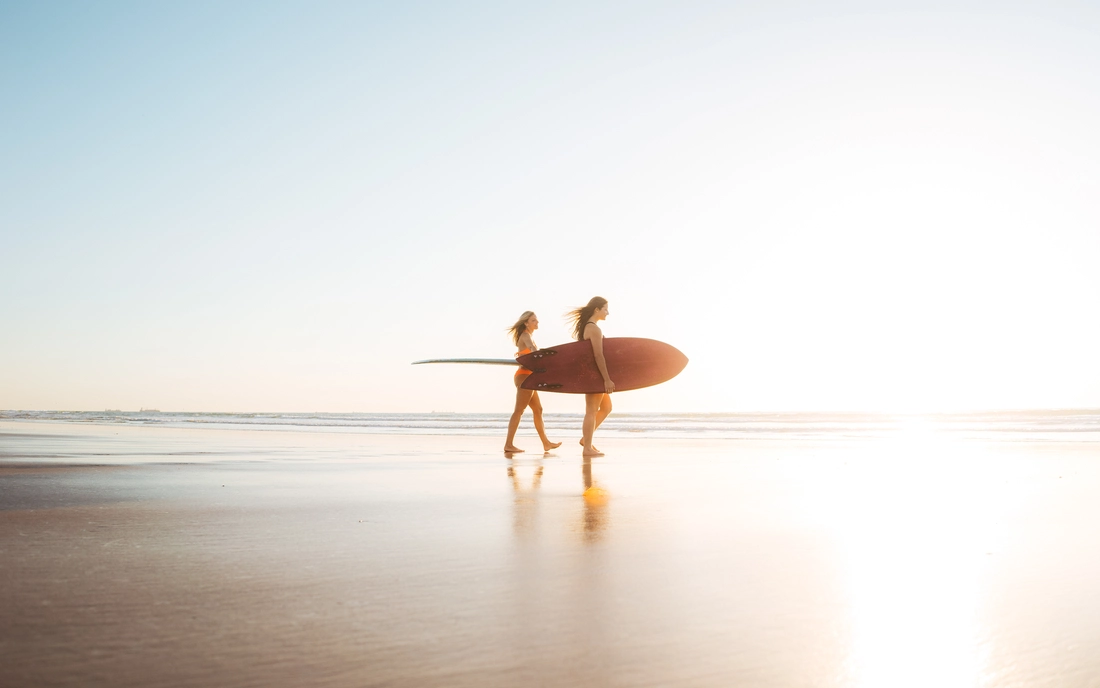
580, 316
520, 327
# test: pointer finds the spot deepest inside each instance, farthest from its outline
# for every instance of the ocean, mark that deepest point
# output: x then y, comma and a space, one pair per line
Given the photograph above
1077, 425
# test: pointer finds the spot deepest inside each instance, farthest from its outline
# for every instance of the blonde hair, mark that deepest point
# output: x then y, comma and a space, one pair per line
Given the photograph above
520, 327
580, 316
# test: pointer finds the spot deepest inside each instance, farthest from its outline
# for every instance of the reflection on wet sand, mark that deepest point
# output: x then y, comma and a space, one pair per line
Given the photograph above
526, 480
594, 517
526, 499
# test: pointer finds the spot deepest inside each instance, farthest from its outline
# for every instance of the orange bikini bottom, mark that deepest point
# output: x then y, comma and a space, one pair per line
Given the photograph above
522, 372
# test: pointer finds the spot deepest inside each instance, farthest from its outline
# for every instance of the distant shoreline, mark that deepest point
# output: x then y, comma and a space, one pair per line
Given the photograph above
1012, 426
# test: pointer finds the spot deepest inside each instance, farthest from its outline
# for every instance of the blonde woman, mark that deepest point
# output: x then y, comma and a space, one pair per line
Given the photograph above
596, 406
521, 335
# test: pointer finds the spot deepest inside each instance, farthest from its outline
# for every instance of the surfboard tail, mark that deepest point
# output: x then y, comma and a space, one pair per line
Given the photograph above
476, 361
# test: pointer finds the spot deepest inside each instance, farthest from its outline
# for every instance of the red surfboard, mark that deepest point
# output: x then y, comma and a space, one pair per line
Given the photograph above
632, 363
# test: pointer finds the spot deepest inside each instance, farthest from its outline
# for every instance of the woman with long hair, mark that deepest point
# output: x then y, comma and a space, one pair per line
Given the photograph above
521, 335
596, 406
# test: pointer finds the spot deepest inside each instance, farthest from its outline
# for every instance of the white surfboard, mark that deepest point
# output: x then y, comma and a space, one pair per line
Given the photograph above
481, 361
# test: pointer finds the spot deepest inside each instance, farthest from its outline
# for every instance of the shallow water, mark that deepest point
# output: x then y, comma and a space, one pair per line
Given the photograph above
199, 556
1078, 425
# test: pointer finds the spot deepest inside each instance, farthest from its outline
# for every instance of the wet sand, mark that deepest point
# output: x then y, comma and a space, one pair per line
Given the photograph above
197, 556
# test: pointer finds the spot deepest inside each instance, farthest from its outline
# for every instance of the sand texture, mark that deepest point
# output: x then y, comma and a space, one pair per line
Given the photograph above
198, 557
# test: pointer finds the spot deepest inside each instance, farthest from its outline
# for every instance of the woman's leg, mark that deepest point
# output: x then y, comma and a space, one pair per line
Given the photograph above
591, 407
602, 413
605, 410
523, 396
536, 411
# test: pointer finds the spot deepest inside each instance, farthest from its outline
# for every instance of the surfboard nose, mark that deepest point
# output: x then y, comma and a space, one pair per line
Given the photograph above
674, 361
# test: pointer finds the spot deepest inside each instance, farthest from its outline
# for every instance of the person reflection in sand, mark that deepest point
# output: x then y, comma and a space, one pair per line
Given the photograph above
594, 516
526, 500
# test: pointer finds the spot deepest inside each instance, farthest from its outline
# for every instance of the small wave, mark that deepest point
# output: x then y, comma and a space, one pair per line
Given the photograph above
1077, 425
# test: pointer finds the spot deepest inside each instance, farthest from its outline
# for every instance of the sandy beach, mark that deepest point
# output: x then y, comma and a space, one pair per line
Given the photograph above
139, 556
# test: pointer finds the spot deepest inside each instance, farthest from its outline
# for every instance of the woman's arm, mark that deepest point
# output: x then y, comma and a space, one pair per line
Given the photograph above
525, 342
597, 351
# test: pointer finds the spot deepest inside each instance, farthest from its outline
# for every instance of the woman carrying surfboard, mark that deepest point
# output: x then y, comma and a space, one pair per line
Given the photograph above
521, 335
596, 406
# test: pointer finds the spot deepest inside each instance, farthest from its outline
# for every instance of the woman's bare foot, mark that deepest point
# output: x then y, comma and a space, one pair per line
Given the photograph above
511, 449
547, 446
593, 452
581, 442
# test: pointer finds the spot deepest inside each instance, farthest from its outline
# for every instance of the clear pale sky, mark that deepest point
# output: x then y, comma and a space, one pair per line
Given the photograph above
278, 206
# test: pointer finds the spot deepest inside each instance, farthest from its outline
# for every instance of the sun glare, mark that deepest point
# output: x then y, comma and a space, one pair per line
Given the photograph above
913, 524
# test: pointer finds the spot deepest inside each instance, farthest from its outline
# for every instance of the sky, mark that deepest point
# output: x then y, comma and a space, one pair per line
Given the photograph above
270, 206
